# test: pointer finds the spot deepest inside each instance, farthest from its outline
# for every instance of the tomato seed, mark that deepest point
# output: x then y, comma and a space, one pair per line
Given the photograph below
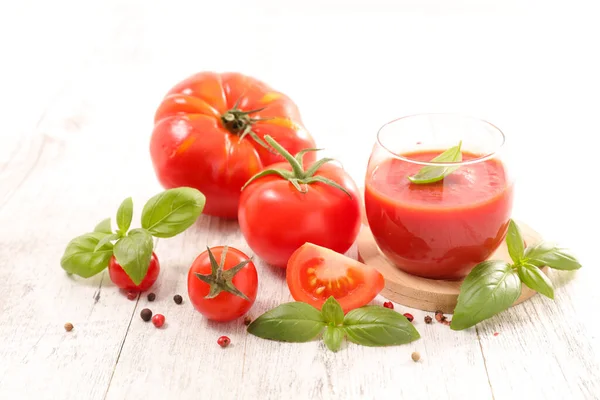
158, 320
68, 327
224, 341
389, 304
415, 356
151, 297
409, 317
131, 295
146, 314
247, 320
177, 299
428, 319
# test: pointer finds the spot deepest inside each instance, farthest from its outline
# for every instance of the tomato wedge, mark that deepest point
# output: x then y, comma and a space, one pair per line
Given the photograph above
314, 273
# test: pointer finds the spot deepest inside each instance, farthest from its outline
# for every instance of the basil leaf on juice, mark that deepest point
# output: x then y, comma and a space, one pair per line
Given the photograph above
172, 211
125, 215
534, 278
133, 252
332, 337
544, 253
491, 287
434, 173
378, 326
103, 226
514, 242
289, 322
80, 258
332, 312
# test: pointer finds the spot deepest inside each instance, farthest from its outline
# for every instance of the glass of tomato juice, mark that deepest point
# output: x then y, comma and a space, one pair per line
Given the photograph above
438, 230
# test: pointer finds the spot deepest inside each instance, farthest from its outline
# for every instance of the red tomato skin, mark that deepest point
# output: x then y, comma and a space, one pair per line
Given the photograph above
190, 145
276, 219
226, 306
121, 279
368, 281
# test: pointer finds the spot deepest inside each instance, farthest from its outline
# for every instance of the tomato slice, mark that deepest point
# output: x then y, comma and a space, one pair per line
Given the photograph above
315, 273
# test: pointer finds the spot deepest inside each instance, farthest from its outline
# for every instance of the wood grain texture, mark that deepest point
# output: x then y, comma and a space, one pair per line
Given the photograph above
77, 111
429, 294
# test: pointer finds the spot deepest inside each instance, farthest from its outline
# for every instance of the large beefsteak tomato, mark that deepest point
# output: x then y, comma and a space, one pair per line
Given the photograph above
286, 206
209, 131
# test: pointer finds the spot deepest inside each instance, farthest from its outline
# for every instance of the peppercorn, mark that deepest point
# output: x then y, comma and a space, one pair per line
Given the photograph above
439, 316
415, 356
68, 327
409, 317
146, 314
224, 341
177, 299
247, 320
131, 295
389, 304
158, 320
151, 297
428, 319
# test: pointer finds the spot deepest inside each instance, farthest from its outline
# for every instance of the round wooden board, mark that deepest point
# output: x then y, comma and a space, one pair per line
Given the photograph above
428, 294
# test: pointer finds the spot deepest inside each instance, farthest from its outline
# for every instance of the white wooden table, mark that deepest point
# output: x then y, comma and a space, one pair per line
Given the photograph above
79, 85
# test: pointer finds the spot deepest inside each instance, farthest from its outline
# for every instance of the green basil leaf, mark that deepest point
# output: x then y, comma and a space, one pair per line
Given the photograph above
289, 322
378, 326
332, 312
533, 277
514, 242
133, 252
103, 226
173, 211
106, 239
332, 337
125, 215
491, 287
80, 258
434, 173
544, 253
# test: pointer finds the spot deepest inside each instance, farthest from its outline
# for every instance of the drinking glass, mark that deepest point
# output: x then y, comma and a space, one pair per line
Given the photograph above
441, 229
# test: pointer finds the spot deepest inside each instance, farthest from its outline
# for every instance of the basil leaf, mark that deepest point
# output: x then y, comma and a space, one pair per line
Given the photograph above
103, 226
434, 173
289, 322
125, 215
133, 252
80, 258
172, 211
106, 239
533, 277
514, 242
378, 326
491, 287
332, 312
332, 337
544, 253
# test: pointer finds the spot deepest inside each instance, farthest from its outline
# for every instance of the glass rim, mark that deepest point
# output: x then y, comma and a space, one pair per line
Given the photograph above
443, 164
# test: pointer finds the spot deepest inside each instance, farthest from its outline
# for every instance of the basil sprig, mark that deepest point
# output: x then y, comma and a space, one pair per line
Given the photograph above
165, 215
493, 285
367, 326
434, 173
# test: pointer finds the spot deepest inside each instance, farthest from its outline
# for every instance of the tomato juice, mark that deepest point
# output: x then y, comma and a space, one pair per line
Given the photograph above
438, 230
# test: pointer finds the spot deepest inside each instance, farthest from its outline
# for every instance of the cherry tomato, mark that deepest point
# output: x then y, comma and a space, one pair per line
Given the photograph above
314, 273
276, 217
122, 280
229, 279
209, 130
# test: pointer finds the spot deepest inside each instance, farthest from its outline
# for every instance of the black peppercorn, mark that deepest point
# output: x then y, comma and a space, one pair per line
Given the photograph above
151, 297
177, 299
247, 320
146, 314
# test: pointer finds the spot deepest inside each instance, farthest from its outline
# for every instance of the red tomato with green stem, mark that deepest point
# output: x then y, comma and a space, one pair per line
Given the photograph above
222, 290
314, 273
209, 131
286, 205
121, 279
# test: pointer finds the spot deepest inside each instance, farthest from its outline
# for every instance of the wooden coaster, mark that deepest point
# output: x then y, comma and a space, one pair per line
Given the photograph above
422, 293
